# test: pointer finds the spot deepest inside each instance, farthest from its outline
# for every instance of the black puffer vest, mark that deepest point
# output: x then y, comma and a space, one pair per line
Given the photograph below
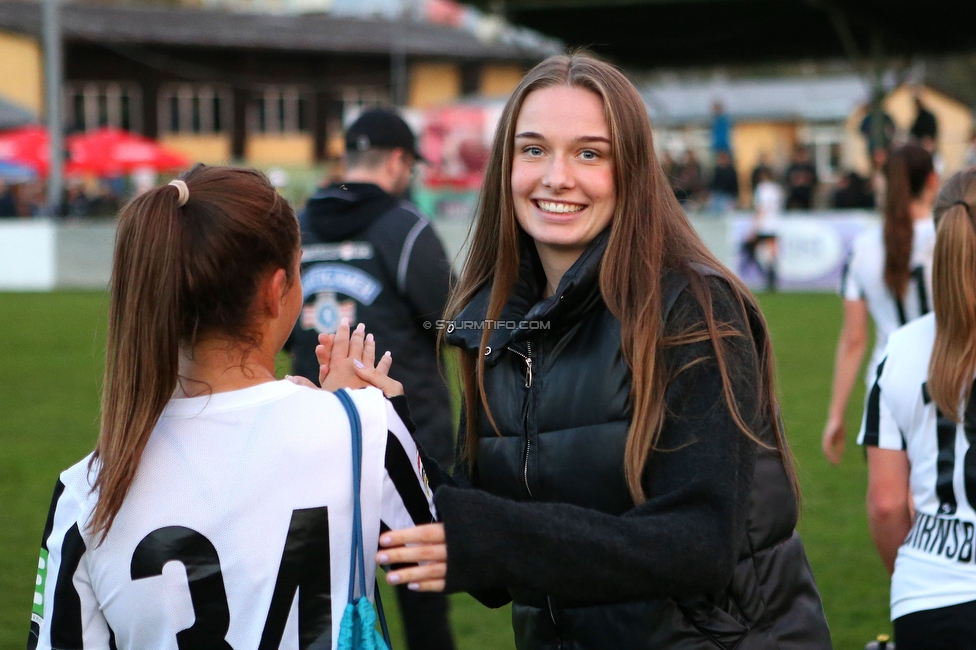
560, 398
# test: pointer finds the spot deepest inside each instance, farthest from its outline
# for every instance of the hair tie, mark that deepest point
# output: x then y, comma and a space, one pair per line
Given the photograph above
962, 203
184, 191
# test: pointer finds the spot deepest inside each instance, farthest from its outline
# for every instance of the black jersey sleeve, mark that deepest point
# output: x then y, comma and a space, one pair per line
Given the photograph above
407, 497
65, 612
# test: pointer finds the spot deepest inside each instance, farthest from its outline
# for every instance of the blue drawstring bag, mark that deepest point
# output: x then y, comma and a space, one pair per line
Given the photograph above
357, 631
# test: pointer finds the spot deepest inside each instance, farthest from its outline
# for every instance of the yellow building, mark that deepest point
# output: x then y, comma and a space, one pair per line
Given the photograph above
21, 71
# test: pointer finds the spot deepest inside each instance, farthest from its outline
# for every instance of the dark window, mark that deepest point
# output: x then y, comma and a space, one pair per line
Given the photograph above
195, 111
262, 123
217, 121
102, 109
126, 107
174, 114
78, 111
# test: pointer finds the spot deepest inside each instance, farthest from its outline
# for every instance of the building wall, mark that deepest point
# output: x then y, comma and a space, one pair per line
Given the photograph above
499, 80
433, 83
752, 139
292, 149
208, 149
22, 71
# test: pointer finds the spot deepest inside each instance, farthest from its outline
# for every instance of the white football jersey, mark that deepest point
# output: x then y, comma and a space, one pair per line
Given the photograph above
863, 279
237, 530
936, 564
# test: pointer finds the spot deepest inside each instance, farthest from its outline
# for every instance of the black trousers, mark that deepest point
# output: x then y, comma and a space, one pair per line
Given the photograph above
425, 619
945, 628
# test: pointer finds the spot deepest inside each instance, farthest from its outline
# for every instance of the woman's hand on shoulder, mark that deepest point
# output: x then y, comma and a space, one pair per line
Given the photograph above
348, 360
423, 546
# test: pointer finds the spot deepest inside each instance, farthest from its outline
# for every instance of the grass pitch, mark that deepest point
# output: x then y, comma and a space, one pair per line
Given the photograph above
51, 349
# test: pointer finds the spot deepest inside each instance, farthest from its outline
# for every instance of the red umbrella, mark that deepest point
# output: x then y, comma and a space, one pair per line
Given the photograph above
113, 152
26, 146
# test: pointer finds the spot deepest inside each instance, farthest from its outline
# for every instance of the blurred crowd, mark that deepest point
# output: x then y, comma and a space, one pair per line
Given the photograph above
714, 186
92, 197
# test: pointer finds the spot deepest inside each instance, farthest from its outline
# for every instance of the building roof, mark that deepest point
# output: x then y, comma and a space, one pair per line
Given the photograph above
322, 33
12, 116
676, 33
808, 99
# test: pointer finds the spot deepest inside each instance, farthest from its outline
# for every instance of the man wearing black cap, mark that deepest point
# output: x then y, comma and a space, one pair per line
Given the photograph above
372, 257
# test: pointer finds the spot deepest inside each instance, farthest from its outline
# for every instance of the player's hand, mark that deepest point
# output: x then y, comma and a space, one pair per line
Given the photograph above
347, 348
834, 440
300, 381
379, 374
424, 546
348, 360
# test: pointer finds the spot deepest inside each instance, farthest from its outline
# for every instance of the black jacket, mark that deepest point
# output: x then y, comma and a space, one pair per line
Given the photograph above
372, 257
710, 560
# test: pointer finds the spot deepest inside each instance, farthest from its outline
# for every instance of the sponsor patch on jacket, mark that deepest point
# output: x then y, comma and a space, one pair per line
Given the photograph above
340, 278
343, 251
324, 313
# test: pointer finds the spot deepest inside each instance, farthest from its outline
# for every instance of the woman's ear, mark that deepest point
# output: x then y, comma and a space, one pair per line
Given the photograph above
274, 288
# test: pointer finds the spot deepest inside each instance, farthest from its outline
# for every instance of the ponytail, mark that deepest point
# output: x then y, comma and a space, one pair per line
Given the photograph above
142, 356
189, 258
953, 362
907, 170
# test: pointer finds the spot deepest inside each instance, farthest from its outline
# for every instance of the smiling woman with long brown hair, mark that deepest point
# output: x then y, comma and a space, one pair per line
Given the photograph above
635, 487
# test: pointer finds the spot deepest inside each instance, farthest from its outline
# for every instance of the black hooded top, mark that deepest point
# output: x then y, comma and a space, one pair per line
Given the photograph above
371, 257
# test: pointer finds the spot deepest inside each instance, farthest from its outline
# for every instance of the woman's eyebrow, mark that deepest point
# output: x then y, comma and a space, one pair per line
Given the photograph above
532, 135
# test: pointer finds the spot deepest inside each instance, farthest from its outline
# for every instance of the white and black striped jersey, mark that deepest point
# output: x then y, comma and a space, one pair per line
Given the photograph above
237, 530
936, 564
863, 279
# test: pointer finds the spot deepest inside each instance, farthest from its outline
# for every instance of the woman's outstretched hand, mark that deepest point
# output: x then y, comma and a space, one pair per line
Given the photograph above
348, 360
425, 546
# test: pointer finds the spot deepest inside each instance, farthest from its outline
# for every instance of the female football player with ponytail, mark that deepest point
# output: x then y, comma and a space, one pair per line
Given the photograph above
217, 508
888, 277
920, 432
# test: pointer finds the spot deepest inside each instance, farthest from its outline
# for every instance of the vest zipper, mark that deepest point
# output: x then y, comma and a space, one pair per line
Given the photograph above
528, 363
528, 445
525, 414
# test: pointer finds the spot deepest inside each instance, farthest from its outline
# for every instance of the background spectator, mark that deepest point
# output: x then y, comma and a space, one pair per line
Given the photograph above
853, 192
925, 127
688, 185
762, 165
885, 134
725, 184
721, 129
801, 180
8, 206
